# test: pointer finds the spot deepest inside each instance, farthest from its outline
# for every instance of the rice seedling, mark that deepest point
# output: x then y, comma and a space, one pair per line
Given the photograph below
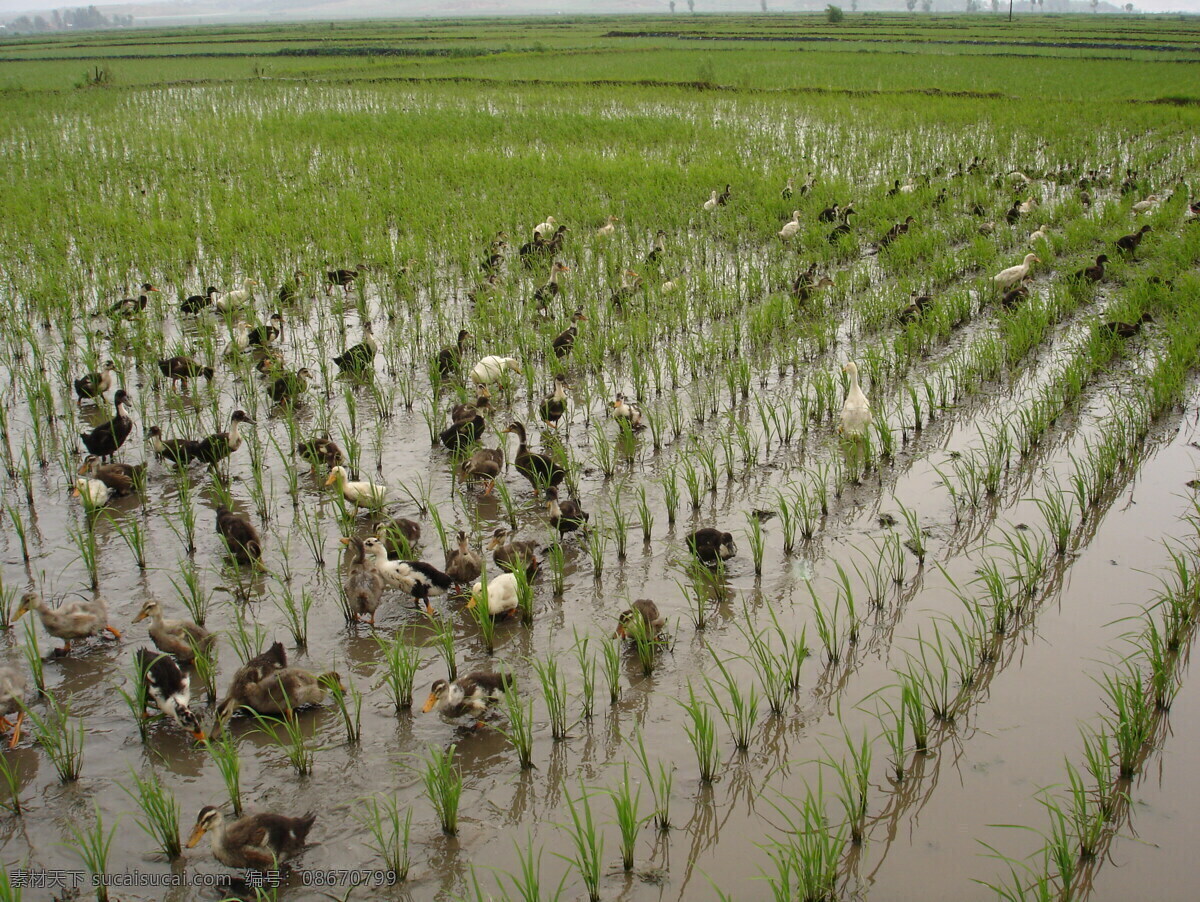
443, 783
741, 712
224, 751
1131, 717
1058, 511
645, 515
701, 734
348, 700
805, 858
586, 839
160, 810
481, 616
554, 692
12, 786
401, 661
597, 541
854, 779
626, 810
587, 675
557, 561
33, 657
85, 541
191, 592
912, 703
295, 614
93, 846
610, 661
620, 527
520, 726
61, 742
300, 754
757, 541
670, 486
389, 831
527, 884
442, 638
18, 524
136, 698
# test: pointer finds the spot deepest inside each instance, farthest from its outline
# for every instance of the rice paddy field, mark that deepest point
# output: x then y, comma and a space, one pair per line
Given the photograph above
950, 656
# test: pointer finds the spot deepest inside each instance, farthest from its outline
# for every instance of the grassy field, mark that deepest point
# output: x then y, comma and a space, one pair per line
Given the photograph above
978, 613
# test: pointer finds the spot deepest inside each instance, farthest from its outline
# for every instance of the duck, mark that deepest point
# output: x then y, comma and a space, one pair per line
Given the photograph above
645, 612
361, 493
803, 288
1012, 298
280, 691
531, 249
511, 555
791, 227
468, 694
626, 413
539, 469
491, 370
1093, 273
723, 198
285, 388
1120, 329
422, 580
659, 247
129, 306
493, 260
631, 283
94, 386
179, 451
565, 516
343, 278
908, 187
484, 463
12, 701
565, 340
399, 536
232, 300
856, 411
261, 336
289, 292
180, 638
321, 450
1129, 243
216, 447
105, 439
900, 228
485, 288
503, 595
1028, 205
788, 190
92, 492
609, 227
258, 841
711, 203
449, 360
71, 620
830, 213
545, 228
677, 282
464, 430
359, 358
254, 671
1042, 234
1145, 206
550, 289
842, 228
241, 538
376, 556
463, 564
239, 338
710, 545
180, 369
169, 689
364, 584
554, 405
915, 309
120, 479
1014, 275
197, 302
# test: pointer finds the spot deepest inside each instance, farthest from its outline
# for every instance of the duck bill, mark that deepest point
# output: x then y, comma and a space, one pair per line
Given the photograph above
142, 615
429, 703
196, 836
344, 540
87, 465
331, 480
75, 493
199, 736
471, 603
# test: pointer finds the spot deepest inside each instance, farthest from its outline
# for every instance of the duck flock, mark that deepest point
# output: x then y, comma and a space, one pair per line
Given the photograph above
381, 565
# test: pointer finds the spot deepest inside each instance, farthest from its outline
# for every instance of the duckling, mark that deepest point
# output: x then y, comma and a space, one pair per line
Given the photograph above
197, 302
1042, 234
241, 538
503, 595
491, 370
545, 228
565, 516
321, 450
631, 283
555, 404
1012, 299
127, 307
626, 413
842, 228
289, 292
169, 689
376, 555
180, 638
1028, 205
804, 288
180, 369
900, 228
359, 358
659, 247
231, 300
856, 411
463, 431
422, 580
509, 555
343, 278
1120, 329
468, 410
449, 360
609, 227
1145, 206
92, 492
539, 469
1093, 273
711, 545
484, 463
791, 227
216, 447
364, 584
105, 439
565, 340
261, 336
179, 451
253, 671
916, 307
258, 841
12, 701
270, 360
468, 694
645, 611
281, 691
830, 213
711, 203
723, 198
788, 190
121, 479
399, 537
362, 493
531, 249
1014, 275
1129, 243
94, 386
677, 282
286, 388
463, 564
69, 621
548, 291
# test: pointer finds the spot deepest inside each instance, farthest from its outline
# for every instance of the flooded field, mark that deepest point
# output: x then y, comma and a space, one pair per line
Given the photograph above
971, 616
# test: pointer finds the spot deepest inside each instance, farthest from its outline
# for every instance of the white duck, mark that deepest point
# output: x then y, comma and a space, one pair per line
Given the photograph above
623, 410
1028, 206
394, 573
491, 369
231, 300
1040, 235
546, 227
908, 187
12, 701
609, 227
1145, 206
711, 203
791, 227
856, 412
677, 282
92, 492
360, 494
1007, 278
503, 596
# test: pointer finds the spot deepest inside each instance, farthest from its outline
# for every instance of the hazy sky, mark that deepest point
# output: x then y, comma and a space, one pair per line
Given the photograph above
11, 6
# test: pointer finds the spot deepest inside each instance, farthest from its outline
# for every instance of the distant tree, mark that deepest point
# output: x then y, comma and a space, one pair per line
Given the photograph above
911, 4
834, 14
764, 5
995, 6
972, 6
853, 6
672, 6
1095, 6
1128, 7
691, 6
926, 6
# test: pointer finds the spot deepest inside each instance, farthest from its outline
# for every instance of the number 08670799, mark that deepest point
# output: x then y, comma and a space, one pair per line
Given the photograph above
340, 877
